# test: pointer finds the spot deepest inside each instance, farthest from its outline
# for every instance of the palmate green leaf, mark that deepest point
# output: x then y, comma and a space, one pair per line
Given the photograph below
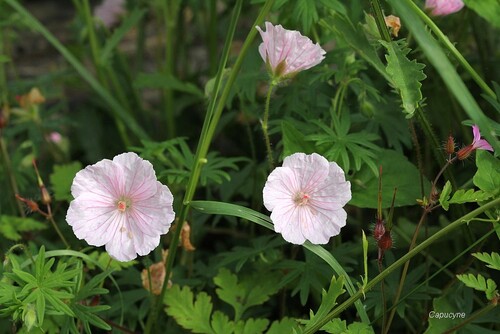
480, 283
249, 292
493, 259
306, 11
328, 301
189, 314
11, 227
294, 141
461, 196
488, 9
337, 326
285, 325
62, 178
406, 75
221, 323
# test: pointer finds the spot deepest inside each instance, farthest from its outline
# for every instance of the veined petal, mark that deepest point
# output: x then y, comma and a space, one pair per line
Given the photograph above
140, 178
103, 179
280, 187
312, 168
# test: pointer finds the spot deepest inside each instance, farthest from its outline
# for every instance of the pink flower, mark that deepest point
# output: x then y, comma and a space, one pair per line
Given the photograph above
444, 7
287, 52
55, 137
477, 144
109, 12
120, 204
306, 196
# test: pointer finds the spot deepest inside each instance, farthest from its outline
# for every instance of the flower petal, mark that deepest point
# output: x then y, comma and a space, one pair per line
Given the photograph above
313, 170
280, 187
139, 180
103, 179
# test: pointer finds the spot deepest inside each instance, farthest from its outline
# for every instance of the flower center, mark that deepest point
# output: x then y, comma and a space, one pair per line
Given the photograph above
301, 198
123, 204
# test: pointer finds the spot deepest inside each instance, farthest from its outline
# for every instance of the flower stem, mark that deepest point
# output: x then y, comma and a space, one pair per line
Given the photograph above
50, 217
270, 159
8, 169
405, 258
380, 20
452, 49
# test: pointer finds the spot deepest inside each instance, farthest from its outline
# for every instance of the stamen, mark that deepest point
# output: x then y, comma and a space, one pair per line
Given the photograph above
122, 206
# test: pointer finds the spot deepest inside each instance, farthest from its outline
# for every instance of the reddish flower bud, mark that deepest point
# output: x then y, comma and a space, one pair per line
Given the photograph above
46, 199
450, 145
465, 152
378, 230
385, 241
32, 206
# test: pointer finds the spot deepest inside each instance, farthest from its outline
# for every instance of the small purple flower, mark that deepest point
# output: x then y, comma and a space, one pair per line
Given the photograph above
306, 197
109, 12
477, 144
287, 52
120, 204
444, 7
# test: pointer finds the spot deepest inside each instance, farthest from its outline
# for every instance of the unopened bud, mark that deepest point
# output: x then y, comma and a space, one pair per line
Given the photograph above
465, 152
450, 145
32, 206
385, 241
378, 230
185, 238
29, 316
46, 199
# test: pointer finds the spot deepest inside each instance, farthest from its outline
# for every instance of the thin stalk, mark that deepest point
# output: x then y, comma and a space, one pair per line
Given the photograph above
380, 20
209, 125
405, 258
9, 171
170, 13
212, 35
50, 217
269, 150
452, 49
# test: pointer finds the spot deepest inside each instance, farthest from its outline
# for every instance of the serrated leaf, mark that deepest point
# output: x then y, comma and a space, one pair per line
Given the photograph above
62, 178
338, 326
480, 283
493, 259
444, 197
467, 196
221, 323
189, 314
328, 301
11, 226
251, 326
306, 11
406, 75
284, 325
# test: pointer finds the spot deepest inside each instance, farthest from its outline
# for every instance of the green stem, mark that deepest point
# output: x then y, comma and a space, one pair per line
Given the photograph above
452, 49
8, 168
265, 127
380, 20
170, 12
405, 258
209, 125
58, 231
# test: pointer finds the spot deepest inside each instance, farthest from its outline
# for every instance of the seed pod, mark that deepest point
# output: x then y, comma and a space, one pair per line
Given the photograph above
385, 241
378, 230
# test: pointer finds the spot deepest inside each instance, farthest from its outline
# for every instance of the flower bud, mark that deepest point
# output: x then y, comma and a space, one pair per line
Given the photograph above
46, 199
450, 145
385, 241
465, 152
32, 206
29, 316
378, 230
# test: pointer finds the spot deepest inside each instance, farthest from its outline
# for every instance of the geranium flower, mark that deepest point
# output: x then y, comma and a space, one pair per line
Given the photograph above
443, 7
109, 12
120, 204
306, 197
477, 144
287, 52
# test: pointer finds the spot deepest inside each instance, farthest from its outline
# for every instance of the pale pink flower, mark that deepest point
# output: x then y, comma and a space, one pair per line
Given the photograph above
287, 52
477, 144
55, 137
120, 204
443, 7
306, 197
110, 11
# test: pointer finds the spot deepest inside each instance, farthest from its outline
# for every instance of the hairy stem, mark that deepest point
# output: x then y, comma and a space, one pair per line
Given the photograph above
265, 127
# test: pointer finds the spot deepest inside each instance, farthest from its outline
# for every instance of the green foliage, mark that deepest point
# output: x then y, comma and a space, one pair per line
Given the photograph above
294, 140
177, 159
349, 150
398, 173
328, 301
61, 180
488, 9
406, 75
487, 177
493, 259
32, 295
337, 326
481, 284
255, 290
161, 80
461, 196
11, 227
